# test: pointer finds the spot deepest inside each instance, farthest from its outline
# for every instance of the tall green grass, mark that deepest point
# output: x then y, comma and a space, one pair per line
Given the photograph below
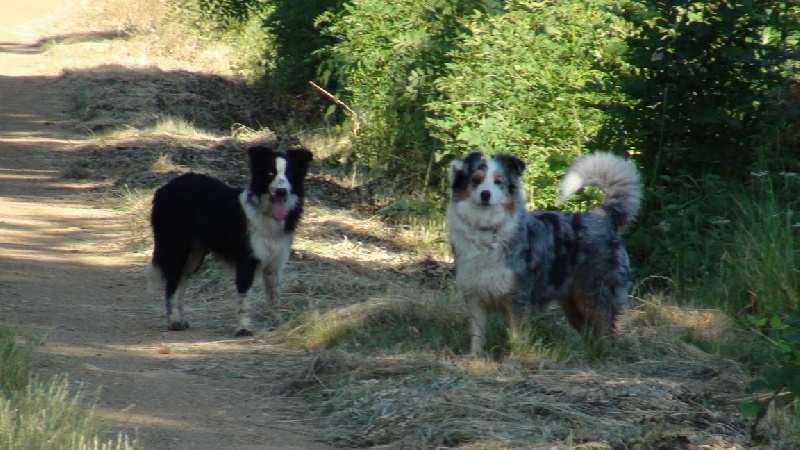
759, 270
43, 414
15, 363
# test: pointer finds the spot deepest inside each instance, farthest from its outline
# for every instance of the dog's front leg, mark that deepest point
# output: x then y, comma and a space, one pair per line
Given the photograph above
273, 278
245, 273
477, 324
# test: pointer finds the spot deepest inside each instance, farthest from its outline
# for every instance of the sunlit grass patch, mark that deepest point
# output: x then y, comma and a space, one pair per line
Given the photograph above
135, 206
393, 324
37, 413
48, 415
659, 320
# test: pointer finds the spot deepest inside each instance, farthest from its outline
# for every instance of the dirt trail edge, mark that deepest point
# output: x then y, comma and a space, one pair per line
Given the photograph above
63, 278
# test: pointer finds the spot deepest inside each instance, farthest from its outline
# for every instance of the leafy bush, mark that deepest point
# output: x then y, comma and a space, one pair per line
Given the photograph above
702, 82
526, 81
296, 32
734, 247
223, 14
704, 77
386, 58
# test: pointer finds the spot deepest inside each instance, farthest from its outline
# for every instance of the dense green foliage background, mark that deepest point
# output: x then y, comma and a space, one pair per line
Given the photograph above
703, 96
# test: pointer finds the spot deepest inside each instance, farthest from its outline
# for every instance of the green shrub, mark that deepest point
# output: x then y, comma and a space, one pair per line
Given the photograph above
724, 245
704, 77
526, 81
702, 82
681, 229
385, 60
298, 40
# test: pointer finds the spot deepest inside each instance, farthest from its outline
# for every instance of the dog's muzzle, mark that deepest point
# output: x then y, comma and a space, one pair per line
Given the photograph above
279, 209
485, 197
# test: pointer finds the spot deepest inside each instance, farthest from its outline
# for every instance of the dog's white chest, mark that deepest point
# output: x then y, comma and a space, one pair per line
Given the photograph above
480, 268
484, 278
268, 247
269, 243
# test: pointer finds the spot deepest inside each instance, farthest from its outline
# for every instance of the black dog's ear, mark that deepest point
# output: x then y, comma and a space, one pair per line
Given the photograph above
258, 155
300, 158
511, 163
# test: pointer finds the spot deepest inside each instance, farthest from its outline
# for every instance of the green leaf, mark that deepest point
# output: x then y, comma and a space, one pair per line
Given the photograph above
793, 385
775, 380
756, 385
751, 409
331, 109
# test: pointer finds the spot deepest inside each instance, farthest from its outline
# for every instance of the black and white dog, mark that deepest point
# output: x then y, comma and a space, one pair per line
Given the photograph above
511, 260
251, 228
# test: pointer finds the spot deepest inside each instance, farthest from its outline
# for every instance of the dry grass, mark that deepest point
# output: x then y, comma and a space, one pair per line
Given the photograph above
429, 400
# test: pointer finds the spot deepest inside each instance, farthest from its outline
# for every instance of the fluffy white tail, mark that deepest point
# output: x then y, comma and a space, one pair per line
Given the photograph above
617, 178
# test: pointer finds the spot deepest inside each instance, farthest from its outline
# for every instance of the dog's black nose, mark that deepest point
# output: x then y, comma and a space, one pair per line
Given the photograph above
485, 196
280, 193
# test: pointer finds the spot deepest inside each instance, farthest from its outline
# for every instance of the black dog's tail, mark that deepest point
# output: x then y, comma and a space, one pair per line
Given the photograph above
616, 177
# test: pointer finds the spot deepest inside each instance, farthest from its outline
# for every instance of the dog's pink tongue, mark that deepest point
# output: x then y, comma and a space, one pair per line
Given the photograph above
279, 211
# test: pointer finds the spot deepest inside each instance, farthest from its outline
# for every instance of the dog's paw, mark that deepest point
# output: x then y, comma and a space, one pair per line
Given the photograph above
178, 326
277, 316
243, 333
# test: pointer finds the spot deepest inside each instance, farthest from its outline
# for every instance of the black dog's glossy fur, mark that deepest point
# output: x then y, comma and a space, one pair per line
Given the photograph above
251, 228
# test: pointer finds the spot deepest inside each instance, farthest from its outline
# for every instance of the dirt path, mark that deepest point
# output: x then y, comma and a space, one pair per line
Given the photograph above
63, 278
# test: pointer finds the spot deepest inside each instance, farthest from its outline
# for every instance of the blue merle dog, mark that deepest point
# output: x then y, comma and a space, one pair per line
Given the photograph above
513, 261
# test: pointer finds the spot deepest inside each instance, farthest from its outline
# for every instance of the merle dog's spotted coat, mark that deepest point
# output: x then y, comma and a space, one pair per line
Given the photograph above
250, 228
511, 260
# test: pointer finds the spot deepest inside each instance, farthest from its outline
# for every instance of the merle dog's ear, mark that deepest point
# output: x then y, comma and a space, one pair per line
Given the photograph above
300, 158
471, 159
456, 166
511, 163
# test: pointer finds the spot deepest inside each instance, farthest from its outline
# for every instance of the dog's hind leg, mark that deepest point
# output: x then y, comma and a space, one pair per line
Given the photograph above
594, 314
170, 274
245, 274
574, 306
174, 292
175, 289
605, 309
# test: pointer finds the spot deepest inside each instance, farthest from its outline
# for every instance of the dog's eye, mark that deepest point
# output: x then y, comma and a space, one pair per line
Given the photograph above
475, 181
498, 182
